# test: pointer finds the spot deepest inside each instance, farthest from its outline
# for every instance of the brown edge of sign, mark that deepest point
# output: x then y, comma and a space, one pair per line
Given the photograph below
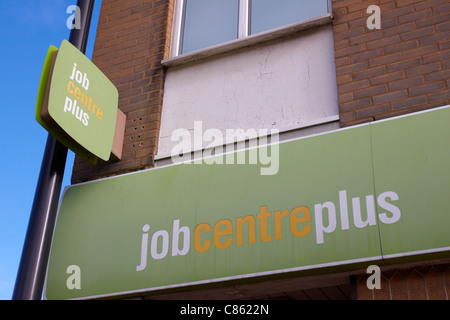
119, 133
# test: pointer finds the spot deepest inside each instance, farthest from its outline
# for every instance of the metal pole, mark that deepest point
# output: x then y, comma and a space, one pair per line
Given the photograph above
36, 249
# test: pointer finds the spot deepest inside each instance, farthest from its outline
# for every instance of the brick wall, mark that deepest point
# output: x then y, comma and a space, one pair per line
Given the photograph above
402, 67
133, 36
418, 283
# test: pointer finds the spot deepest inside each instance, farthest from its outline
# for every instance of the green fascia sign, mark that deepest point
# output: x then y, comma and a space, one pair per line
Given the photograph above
77, 103
375, 193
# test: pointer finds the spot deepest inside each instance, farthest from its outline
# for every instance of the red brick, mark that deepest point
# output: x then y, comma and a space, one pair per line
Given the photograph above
363, 292
443, 27
425, 89
391, 96
444, 45
435, 38
418, 15
385, 59
347, 34
346, 51
351, 68
423, 69
404, 64
433, 20
370, 91
353, 86
366, 55
402, 46
429, 4
397, 12
341, 18
383, 293
347, 116
405, 83
398, 287
387, 77
439, 96
346, 97
368, 36
409, 103
421, 51
372, 111
416, 286
355, 104
369, 73
398, 29
435, 284
385, 41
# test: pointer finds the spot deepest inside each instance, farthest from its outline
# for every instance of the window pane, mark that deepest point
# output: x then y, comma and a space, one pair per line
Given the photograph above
270, 14
209, 22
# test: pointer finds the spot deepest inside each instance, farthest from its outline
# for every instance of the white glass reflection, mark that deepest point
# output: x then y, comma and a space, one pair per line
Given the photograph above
209, 22
270, 14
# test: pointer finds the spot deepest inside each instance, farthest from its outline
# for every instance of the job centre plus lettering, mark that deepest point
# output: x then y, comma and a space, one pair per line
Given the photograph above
77, 97
270, 223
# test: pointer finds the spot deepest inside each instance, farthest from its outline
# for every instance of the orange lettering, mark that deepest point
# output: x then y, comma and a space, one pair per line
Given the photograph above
197, 242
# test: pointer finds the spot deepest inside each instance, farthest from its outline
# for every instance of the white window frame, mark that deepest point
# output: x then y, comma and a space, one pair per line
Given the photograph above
243, 23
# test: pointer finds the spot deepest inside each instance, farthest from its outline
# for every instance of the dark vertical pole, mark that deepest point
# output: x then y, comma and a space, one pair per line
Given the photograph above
36, 249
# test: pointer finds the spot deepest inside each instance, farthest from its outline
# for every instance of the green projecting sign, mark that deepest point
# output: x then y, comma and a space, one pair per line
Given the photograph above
368, 194
77, 103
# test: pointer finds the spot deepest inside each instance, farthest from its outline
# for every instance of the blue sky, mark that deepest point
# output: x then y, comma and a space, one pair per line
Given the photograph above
27, 29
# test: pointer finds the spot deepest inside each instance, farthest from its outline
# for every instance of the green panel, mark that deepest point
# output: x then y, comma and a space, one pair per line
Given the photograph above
100, 224
56, 132
43, 86
413, 158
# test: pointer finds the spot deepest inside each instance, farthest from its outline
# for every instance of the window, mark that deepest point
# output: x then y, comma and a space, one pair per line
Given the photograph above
209, 22
270, 14
203, 23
